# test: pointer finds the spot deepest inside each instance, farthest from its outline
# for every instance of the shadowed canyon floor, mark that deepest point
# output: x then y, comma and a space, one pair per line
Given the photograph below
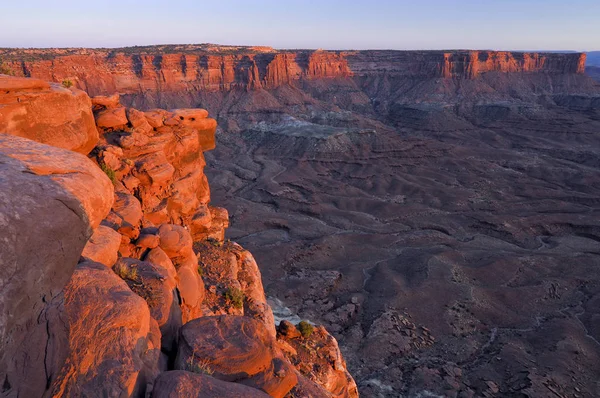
443, 260
443, 227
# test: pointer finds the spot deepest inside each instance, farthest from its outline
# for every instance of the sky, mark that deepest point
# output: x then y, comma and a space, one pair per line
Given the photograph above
309, 24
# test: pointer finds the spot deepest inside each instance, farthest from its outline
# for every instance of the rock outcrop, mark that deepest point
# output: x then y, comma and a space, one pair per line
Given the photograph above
50, 199
47, 113
178, 383
114, 344
157, 287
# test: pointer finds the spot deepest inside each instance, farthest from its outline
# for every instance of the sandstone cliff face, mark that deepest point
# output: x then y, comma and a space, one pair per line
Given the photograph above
103, 72
47, 113
461, 64
130, 71
157, 287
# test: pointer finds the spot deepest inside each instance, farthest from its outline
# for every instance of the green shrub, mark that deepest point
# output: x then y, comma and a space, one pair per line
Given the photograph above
200, 270
235, 296
67, 83
305, 329
109, 172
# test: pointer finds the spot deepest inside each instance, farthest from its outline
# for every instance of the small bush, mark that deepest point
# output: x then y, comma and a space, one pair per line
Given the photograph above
214, 242
67, 83
235, 296
126, 272
199, 367
200, 270
305, 329
109, 172
5, 70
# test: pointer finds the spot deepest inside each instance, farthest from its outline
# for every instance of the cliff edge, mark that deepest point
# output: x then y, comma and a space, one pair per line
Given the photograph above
117, 279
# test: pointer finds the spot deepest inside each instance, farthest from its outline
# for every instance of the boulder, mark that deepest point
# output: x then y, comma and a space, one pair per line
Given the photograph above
129, 211
75, 173
234, 348
190, 115
112, 118
155, 117
138, 121
178, 383
159, 257
153, 283
101, 101
277, 380
175, 240
103, 246
48, 198
47, 113
114, 344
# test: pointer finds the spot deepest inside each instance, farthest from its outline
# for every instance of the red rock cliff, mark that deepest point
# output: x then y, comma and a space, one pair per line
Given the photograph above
185, 69
462, 64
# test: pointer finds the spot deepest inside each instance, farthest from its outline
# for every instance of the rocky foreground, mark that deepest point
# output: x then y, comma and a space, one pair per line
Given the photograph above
115, 276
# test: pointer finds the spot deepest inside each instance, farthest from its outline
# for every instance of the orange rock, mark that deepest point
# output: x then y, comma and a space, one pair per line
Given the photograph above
148, 241
233, 347
11, 83
175, 240
178, 383
135, 139
206, 133
75, 173
154, 284
50, 114
276, 381
112, 118
191, 290
103, 246
43, 229
102, 101
128, 208
114, 344
320, 360
158, 257
155, 118
190, 115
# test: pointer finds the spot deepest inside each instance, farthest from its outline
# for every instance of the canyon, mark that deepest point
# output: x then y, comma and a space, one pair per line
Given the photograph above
436, 211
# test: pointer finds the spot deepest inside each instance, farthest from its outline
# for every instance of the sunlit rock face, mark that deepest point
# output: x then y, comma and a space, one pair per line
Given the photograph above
47, 113
116, 271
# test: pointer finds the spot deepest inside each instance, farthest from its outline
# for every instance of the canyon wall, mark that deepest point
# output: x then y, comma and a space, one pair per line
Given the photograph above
134, 70
462, 64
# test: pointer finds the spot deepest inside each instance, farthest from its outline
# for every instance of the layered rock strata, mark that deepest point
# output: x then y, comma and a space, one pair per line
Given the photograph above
190, 69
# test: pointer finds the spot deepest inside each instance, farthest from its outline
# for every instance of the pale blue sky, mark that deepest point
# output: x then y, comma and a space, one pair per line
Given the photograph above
328, 24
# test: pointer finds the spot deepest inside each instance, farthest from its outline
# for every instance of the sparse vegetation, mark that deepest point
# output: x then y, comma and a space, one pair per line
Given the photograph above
234, 296
67, 83
127, 273
5, 69
200, 270
200, 366
109, 172
214, 242
305, 329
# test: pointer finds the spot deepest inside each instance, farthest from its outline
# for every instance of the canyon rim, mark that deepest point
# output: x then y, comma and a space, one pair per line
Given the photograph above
435, 211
